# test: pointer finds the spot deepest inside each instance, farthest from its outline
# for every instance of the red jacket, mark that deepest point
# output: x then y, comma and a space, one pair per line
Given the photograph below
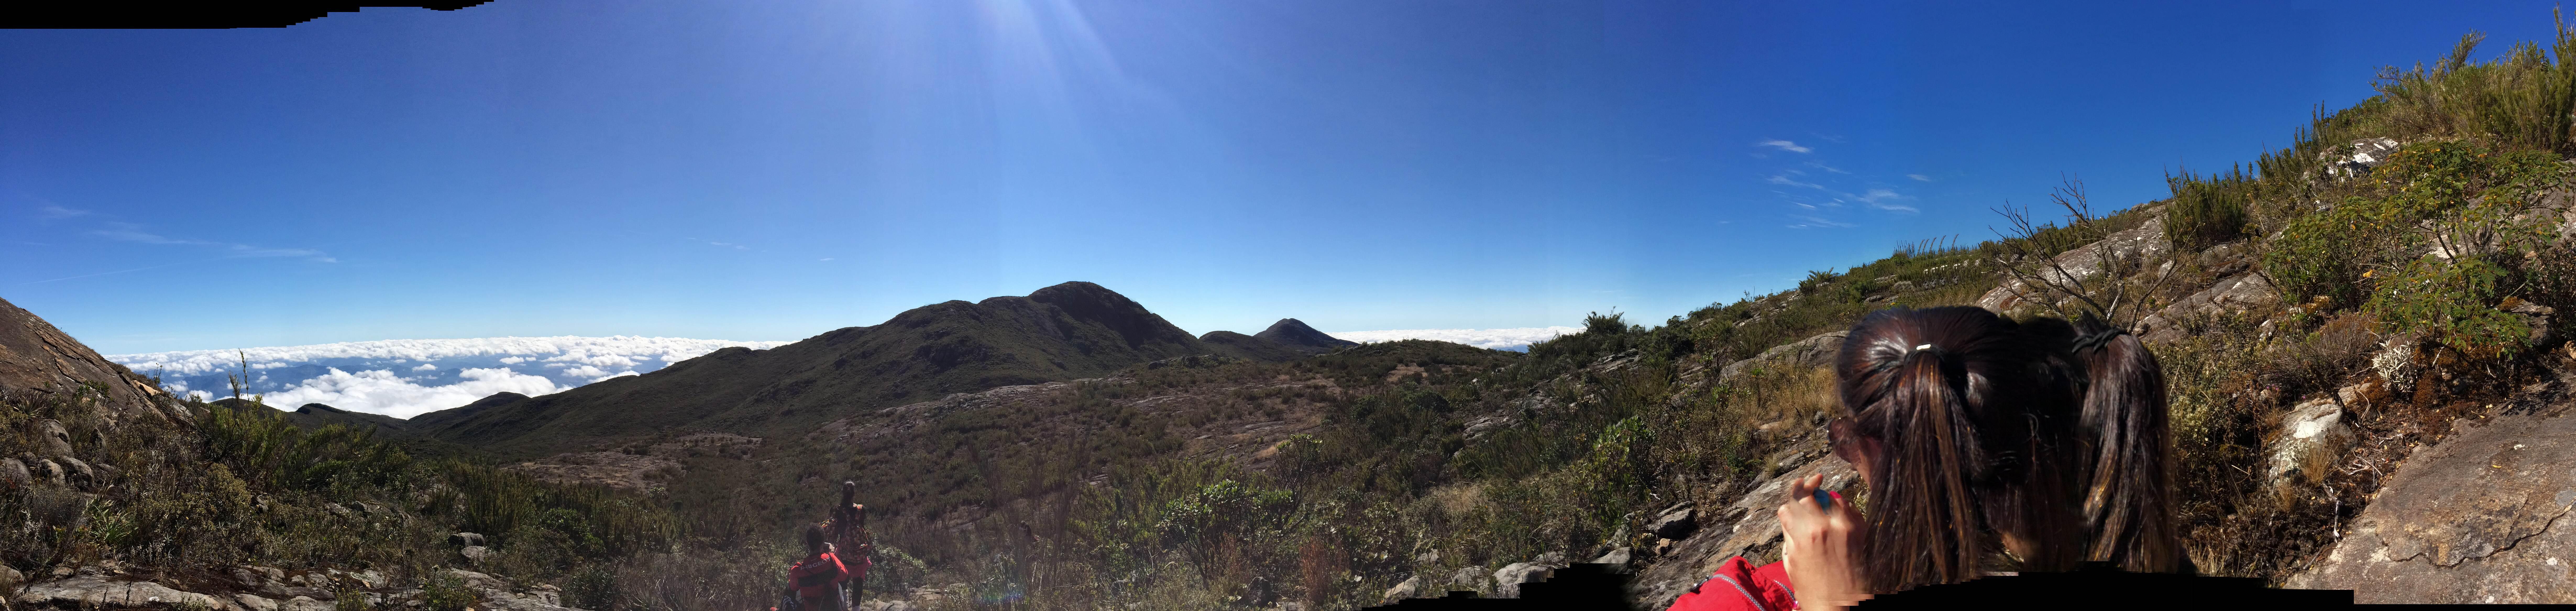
814, 577
1737, 586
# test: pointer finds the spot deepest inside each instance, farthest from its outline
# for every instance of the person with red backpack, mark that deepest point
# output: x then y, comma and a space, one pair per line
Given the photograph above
848, 528
814, 583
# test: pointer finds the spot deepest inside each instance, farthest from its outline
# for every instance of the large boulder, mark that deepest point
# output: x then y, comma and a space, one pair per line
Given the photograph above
52, 440
38, 360
2476, 519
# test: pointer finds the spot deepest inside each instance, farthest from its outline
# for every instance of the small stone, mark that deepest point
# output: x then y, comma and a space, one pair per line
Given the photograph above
465, 540
253, 602
1411, 587
474, 554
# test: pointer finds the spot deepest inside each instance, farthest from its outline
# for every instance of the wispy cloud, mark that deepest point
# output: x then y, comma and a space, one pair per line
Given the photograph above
1884, 199
1785, 146
1813, 222
1784, 179
129, 232
52, 210
1821, 166
1919, 177
824, 259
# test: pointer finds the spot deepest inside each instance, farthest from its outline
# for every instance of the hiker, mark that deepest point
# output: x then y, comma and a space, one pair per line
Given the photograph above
848, 528
1988, 446
815, 581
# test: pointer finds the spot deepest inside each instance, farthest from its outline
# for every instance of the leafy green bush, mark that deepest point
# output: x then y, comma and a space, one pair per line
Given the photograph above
445, 591
2451, 302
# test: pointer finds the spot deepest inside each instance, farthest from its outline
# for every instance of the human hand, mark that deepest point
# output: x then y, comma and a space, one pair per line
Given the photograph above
1816, 548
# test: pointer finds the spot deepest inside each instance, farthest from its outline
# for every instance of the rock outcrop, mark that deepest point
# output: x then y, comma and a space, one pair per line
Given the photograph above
2480, 518
2147, 241
98, 591
39, 361
1815, 351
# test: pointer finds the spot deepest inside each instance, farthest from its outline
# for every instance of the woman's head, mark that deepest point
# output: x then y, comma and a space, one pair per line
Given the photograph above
813, 538
1971, 429
849, 491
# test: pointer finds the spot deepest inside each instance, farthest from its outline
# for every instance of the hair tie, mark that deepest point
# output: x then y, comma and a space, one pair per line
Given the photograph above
2097, 339
1923, 347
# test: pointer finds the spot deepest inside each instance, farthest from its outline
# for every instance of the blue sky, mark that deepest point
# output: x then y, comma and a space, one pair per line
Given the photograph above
772, 170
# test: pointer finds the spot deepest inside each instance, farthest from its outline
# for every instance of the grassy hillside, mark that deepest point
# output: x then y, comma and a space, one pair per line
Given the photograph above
1101, 461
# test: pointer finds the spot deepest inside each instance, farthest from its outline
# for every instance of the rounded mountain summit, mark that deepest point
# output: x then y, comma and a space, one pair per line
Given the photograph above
1063, 332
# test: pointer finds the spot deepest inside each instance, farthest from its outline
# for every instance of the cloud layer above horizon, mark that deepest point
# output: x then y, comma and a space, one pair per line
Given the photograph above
1518, 339
405, 378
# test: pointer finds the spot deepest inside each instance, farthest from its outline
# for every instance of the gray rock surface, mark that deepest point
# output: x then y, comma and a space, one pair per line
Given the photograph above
254, 602
2357, 158
95, 591
1411, 587
14, 473
465, 539
2313, 428
1620, 560
2234, 294
39, 360
1470, 578
2479, 518
52, 440
2147, 241
1508, 580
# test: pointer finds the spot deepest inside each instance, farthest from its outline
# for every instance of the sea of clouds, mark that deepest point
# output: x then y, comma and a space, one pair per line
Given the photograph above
409, 377
1518, 340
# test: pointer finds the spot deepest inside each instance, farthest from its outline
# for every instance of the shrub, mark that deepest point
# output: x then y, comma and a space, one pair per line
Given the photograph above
445, 591
2449, 301
2206, 211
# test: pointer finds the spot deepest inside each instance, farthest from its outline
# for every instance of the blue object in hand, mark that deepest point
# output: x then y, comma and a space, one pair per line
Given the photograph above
1824, 500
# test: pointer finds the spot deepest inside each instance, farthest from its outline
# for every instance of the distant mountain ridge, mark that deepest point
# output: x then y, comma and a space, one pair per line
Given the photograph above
1062, 332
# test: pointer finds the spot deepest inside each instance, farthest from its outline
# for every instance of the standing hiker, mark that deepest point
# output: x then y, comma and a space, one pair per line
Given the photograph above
816, 580
849, 530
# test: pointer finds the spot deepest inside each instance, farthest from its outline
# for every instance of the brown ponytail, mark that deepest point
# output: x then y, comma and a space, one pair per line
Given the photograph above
1972, 410
2049, 432
2128, 488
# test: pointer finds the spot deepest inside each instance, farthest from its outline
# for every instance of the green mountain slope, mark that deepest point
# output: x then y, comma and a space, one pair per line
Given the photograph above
1062, 332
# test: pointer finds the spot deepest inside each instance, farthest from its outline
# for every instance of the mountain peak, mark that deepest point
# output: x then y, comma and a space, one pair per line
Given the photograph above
1293, 332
